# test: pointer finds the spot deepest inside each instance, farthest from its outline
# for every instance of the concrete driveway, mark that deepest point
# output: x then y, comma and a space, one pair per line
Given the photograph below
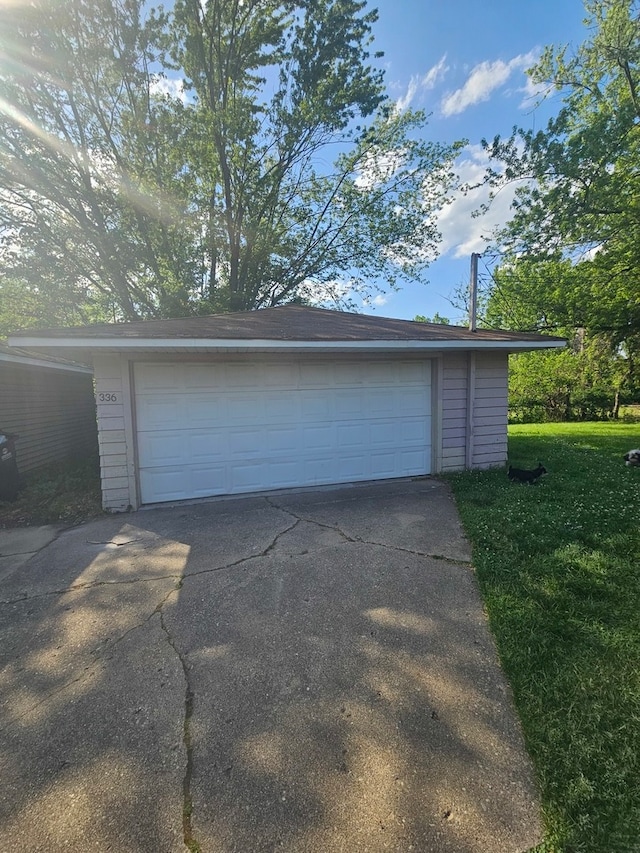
308, 672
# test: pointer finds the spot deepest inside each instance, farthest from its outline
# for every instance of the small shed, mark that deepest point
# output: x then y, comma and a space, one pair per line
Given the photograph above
49, 403
288, 397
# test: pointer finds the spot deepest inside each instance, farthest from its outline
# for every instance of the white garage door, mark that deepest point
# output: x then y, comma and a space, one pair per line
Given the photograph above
227, 428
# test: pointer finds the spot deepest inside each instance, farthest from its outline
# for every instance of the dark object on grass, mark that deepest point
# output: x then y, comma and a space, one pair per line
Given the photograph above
9, 476
632, 457
523, 475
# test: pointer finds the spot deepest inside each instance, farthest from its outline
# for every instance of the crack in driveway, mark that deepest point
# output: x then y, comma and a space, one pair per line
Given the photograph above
99, 655
360, 541
88, 585
180, 578
189, 698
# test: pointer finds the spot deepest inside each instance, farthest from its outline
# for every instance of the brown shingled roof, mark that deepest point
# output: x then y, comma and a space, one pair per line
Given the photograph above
284, 323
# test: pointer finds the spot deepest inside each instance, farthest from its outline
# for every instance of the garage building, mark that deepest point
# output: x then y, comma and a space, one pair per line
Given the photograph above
288, 397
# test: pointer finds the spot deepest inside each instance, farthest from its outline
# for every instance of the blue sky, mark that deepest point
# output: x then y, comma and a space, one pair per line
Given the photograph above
464, 62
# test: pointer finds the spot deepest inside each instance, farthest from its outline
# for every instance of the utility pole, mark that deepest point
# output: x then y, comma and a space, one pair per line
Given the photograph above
473, 291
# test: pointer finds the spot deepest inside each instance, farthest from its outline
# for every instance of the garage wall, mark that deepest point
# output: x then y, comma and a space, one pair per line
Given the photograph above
490, 411
454, 411
115, 432
52, 411
474, 410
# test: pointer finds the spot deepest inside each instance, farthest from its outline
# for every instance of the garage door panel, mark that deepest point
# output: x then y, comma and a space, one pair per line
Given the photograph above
412, 461
352, 435
383, 434
383, 465
315, 406
159, 413
349, 374
279, 406
349, 404
314, 376
381, 403
250, 427
412, 401
319, 471
206, 480
206, 412
161, 449
206, 447
279, 376
242, 375
413, 371
318, 438
164, 483
242, 409
158, 376
246, 442
354, 466
414, 431
247, 476
284, 473
170, 448
281, 440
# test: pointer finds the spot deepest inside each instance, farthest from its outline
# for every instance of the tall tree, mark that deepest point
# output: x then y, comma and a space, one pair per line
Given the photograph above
579, 196
599, 368
573, 245
91, 194
229, 155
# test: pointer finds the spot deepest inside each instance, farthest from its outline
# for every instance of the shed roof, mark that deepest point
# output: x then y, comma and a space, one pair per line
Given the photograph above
26, 358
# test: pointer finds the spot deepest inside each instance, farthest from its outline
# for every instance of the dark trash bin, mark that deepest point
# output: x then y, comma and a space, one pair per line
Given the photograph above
9, 475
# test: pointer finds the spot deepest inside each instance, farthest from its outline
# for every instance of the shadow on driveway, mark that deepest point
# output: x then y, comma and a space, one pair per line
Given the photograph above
299, 672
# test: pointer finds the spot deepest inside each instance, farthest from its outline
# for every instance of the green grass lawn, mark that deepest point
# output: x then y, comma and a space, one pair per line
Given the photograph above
559, 568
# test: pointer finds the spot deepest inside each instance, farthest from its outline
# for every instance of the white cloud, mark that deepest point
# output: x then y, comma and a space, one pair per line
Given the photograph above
533, 93
168, 87
376, 169
483, 80
378, 301
462, 233
422, 83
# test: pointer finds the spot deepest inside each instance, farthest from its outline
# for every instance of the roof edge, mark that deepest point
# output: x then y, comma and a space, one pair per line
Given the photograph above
34, 361
261, 345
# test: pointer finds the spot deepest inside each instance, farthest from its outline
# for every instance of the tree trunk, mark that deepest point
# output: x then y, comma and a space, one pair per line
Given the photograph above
616, 405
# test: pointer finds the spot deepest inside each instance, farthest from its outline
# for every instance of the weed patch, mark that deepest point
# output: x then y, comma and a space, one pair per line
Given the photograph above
64, 493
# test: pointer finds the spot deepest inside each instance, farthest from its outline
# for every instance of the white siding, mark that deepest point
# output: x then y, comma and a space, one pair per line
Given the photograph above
490, 410
454, 411
115, 434
474, 416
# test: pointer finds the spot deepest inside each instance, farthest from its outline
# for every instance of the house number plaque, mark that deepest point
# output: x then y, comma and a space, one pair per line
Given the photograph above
108, 397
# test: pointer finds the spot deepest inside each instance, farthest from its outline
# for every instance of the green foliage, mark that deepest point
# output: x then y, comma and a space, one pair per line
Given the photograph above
90, 197
557, 565
443, 321
572, 246
583, 166
169, 163
575, 384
